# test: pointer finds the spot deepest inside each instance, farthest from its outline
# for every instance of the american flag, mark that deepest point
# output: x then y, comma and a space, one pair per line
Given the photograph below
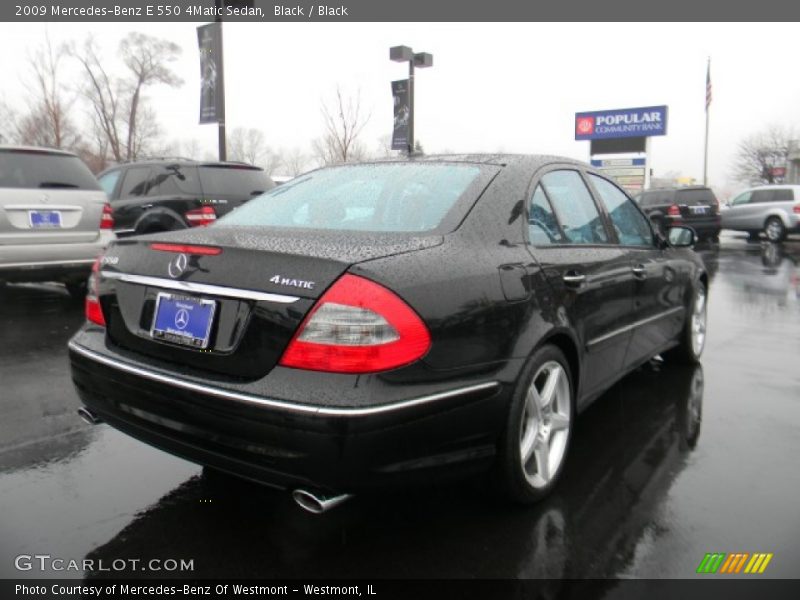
708, 86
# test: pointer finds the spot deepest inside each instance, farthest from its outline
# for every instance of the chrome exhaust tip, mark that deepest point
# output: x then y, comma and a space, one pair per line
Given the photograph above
88, 416
318, 504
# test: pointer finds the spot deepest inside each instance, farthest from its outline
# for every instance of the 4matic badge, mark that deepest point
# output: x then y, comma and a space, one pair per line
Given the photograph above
288, 281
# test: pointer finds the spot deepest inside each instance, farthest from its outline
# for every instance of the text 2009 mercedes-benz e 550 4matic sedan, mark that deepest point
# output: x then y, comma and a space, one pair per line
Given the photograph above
387, 323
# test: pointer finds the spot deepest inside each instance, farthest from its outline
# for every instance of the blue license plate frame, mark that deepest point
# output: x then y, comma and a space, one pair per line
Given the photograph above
45, 219
183, 320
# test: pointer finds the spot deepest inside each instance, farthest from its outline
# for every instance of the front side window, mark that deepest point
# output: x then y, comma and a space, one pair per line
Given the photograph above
109, 181
378, 198
742, 199
576, 211
631, 226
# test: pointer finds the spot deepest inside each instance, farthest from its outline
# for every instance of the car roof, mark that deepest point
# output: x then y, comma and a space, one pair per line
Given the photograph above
771, 186
35, 149
180, 160
498, 159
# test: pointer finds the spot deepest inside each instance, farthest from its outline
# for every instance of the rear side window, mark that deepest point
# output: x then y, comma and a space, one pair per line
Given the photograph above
574, 208
631, 225
136, 182
173, 180
784, 195
381, 198
543, 227
223, 180
762, 196
696, 197
657, 198
42, 170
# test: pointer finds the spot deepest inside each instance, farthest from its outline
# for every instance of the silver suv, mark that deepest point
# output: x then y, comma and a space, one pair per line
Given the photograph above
54, 217
771, 209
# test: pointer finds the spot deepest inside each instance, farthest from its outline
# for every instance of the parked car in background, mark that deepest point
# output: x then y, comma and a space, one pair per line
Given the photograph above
389, 322
694, 206
55, 218
168, 194
773, 210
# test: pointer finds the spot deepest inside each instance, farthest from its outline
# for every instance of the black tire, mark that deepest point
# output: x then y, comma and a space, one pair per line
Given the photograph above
76, 289
775, 230
515, 480
686, 351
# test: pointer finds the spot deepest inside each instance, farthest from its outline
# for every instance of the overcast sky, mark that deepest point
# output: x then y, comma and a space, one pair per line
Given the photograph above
508, 87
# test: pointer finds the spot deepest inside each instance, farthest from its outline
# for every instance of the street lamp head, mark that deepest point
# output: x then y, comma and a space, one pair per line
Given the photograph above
423, 59
401, 53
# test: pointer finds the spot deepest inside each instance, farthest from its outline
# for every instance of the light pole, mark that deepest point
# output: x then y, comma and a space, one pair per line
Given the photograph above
421, 60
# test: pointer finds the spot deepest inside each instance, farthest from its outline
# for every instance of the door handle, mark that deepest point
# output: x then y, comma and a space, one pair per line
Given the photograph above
573, 278
639, 271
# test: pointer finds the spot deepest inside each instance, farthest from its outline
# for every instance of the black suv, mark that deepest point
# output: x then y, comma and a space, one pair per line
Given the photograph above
694, 206
166, 194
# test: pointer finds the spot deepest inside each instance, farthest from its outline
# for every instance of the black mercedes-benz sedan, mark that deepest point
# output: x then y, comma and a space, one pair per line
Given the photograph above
388, 323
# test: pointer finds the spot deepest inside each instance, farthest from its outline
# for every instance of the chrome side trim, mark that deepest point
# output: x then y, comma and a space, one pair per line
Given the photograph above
627, 328
278, 404
199, 288
49, 263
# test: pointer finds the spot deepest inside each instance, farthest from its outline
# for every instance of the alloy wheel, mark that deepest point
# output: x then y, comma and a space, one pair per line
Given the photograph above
546, 421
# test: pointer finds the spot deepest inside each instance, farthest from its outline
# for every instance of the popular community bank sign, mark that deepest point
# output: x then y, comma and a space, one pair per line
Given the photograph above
622, 122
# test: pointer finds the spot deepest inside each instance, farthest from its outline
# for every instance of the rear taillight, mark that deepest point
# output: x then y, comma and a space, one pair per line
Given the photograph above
198, 217
107, 218
94, 312
796, 209
674, 211
715, 207
358, 326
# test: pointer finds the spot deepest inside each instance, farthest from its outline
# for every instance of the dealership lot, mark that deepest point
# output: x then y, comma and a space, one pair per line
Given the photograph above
670, 464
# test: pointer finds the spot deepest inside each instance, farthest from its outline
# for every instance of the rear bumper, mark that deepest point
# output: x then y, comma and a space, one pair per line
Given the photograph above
702, 227
45, 262
288, 444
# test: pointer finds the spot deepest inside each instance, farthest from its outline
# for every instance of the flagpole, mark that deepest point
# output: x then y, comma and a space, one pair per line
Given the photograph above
708, 108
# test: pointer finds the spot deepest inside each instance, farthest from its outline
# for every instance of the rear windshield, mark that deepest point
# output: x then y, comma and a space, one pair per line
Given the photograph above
224, 180
381, 198
696, 197
41, 170
657, 198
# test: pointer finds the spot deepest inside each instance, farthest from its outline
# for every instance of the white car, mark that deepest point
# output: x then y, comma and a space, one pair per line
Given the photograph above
55, 218
771, 209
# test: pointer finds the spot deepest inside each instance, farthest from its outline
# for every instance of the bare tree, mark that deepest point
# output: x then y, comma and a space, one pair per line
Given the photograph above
294, 161
118, 104
8, 123
343, 124
250, 146
48, 121
758, 154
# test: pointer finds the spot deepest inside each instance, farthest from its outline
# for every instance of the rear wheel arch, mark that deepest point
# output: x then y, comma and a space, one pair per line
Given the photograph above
159, 220
569, 347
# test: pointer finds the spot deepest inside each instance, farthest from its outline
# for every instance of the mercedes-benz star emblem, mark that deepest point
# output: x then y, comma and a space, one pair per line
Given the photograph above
177, 266
182, 319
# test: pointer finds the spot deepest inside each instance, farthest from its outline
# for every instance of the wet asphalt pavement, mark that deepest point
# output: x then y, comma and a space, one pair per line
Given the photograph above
668, 465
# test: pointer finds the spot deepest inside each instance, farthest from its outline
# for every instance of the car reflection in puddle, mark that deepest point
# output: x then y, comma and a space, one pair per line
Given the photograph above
631, 446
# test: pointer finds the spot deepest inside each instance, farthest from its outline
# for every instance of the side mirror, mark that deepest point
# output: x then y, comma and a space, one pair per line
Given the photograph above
681, 237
